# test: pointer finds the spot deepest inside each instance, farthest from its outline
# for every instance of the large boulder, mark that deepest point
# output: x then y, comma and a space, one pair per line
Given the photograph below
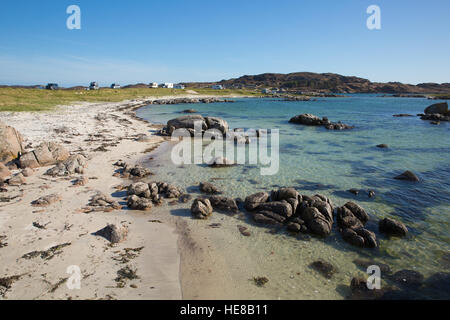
186, 122
224, 204
46, 154
201, 209
4, 172
309, 120
393, 227
440, 108
217, 123
10, 143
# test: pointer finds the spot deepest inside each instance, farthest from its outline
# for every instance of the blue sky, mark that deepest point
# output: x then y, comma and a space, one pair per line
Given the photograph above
147, 40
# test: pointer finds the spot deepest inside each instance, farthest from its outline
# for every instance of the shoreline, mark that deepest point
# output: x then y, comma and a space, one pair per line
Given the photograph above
104, 133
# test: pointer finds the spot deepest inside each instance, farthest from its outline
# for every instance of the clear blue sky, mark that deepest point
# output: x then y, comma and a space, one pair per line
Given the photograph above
206, 40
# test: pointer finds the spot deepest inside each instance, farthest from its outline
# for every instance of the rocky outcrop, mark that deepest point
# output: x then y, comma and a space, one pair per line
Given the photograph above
74, 164
142, 196
407, 175
204, 123
393, 227
224, 204
437, 108
255, 200
312, 120
46, 154
201, 209
351, 219
102, 203
11, 143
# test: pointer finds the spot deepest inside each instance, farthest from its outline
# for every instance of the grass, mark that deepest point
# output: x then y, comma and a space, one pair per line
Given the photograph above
19, 100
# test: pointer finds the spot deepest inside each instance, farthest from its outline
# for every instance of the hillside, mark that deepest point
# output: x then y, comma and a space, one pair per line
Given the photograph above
324, 82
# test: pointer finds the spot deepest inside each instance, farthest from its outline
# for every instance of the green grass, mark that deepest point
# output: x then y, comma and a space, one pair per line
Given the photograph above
19, 100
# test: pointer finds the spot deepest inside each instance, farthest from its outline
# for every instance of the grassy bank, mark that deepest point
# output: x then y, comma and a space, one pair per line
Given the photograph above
14, 99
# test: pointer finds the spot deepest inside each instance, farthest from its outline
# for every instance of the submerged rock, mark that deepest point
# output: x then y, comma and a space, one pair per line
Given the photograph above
224, 204
383, 146
409, 278
324, 268
393, 227
208, 188
407, 175
255, 200
220, 162
201, 209
312, 120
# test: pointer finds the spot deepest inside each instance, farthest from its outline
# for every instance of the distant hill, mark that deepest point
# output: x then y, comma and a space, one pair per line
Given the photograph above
324, 82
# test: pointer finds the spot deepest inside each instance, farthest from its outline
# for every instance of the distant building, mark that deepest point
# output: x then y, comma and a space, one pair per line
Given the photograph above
93, 86
153, 85
178, 86
167, 85
115, 86
266, 91
217, 87
52, 86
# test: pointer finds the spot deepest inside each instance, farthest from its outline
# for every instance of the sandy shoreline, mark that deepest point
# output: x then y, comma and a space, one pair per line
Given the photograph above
104, 133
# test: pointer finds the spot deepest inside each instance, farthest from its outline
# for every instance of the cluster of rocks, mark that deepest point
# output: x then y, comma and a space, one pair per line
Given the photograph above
46, 154
188, 122
436, 113
296, 98
142, 196
136, 171
74, 164
189, 101
202, 208
102, 203
312, 120
315, 215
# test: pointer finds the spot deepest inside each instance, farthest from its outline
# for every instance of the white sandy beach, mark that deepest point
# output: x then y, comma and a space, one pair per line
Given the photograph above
83, 128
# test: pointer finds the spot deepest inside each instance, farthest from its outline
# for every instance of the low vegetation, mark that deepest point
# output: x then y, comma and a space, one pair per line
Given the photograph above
24, 99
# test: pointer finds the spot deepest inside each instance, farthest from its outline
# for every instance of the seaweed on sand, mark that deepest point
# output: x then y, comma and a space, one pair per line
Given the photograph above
47, 254
260, 281
124, 274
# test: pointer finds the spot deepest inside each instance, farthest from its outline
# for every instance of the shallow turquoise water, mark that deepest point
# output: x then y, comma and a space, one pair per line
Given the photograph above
315, 160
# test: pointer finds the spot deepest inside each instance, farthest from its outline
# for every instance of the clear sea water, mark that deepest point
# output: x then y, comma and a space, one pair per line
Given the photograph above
315, 160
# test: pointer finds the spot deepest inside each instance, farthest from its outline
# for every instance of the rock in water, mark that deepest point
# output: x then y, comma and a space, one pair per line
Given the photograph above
10, 143
407, 175
393, 227
253, 201
324, 268
217, 123
409, 278
220, 162
439, 108
224, 204
115, 233
208, 188
309, 120
186, 122
383, 146
201, 209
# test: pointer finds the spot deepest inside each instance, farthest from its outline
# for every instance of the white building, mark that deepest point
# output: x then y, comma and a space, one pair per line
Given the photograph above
178, 86
166, 85
153, 85
266, 91
217, 87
